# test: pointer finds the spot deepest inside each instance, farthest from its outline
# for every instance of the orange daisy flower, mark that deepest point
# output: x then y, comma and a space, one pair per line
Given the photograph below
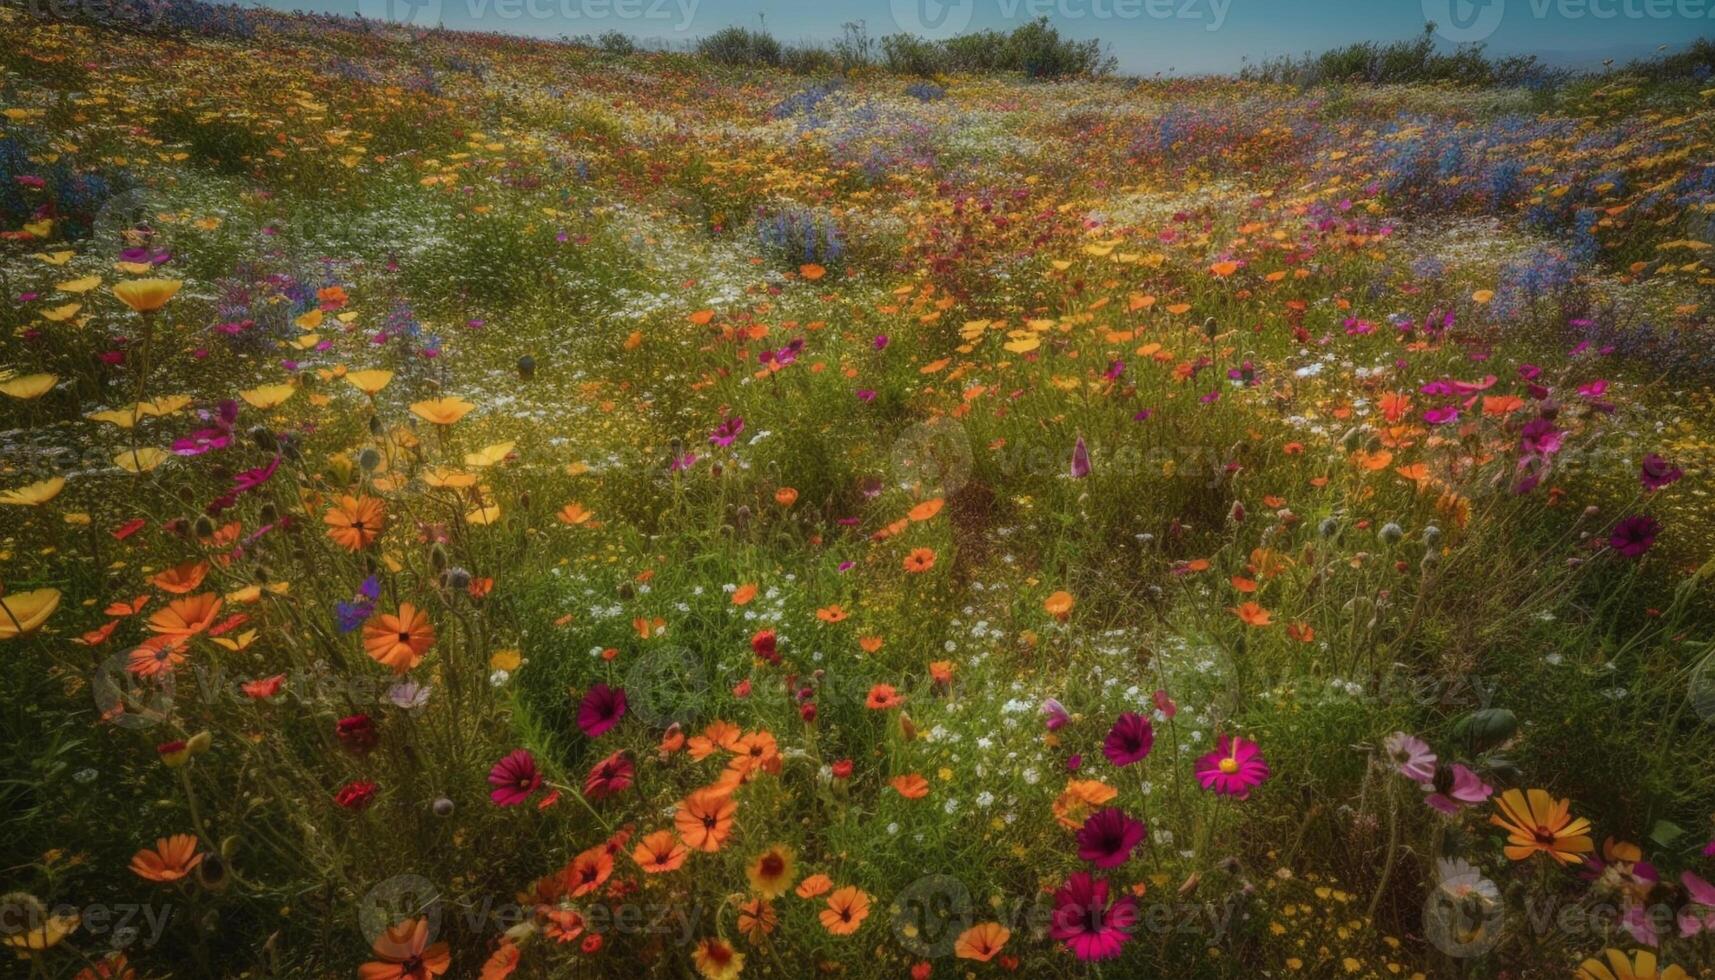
181, 578
660, 852
1537, 823
355, 522
981, 942
920, 560
717, 960
756, 919
882, 697
404, 953
847, 908
171, 859
589, 871
186, 617
399, 641
816, 884
704, 819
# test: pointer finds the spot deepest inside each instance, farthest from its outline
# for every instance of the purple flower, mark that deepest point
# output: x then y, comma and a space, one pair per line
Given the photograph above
1108, 836
1090, 926
727, 431
601, 709
1634, 535
1656, 472
1411, 756
1054, 715
1129, 740
514, 778
1080, 459
1454, 788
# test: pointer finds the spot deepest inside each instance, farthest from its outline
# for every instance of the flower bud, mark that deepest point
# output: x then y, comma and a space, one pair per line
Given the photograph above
1391, 533
369, 459
526, 367
443, 807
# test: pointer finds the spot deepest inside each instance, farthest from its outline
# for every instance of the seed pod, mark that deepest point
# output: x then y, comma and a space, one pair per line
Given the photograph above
1210, 329
526, 367
369, 459
443, 807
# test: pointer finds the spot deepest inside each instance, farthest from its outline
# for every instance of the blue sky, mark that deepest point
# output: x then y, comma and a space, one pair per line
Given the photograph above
1186, 36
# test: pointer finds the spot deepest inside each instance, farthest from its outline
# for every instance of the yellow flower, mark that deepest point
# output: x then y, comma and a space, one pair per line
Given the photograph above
146, 295
369, 382
140, 460
268, 396
34, 494
29, 386
1640, 966
25, 612
442, 411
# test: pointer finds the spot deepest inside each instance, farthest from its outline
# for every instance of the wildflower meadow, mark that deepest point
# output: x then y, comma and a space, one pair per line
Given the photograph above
479, 506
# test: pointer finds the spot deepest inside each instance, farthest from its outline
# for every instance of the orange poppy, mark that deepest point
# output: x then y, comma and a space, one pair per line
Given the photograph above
831, 614
1059, 605
704, 819
399, 641
756, 919
660, 852
869, 644
404, 953
1252, 614
186, 617
847, 908
920, 560
355, 522
981, 942
1080, 798
911, 786
171, 859
925, 510
181, 578
882, 697
817, 884
502, 963
744, 594
786, 496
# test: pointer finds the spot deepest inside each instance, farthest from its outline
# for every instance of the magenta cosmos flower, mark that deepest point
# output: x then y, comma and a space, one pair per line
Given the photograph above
1634, 535
1656, 472
1129, 740
1091, 927
1411, 756
1234, 769
1456, 787
1108, 836
611, 775
514, 778
602, 708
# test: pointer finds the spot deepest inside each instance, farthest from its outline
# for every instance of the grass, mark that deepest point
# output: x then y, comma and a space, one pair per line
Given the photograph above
885, 447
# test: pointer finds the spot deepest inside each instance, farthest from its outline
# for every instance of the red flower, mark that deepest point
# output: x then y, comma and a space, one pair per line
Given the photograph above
765, 646
514, 778
355, 795
357, 733
843, 769
611, 775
